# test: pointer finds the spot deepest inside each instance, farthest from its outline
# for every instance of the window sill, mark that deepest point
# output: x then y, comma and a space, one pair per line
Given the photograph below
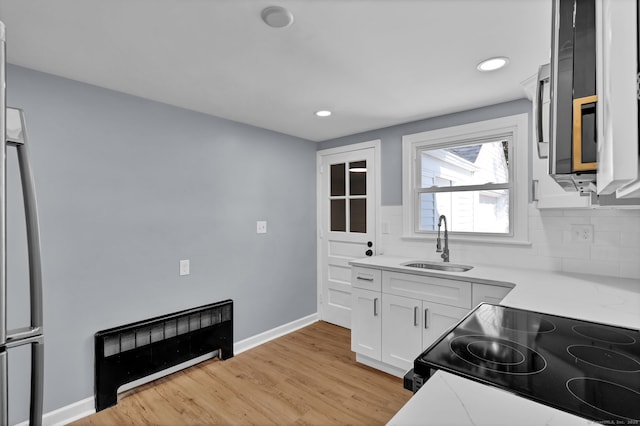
506, 241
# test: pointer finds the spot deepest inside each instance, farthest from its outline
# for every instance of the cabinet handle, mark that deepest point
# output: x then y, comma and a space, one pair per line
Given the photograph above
375, 307
415, 316
364, 279
426, 318
534, 189
578, 165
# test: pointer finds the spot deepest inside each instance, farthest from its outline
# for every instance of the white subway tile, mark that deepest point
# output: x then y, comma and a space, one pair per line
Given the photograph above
607, 238
590, 266
616, 223
630, 270
564, 222
630, 239
570, 251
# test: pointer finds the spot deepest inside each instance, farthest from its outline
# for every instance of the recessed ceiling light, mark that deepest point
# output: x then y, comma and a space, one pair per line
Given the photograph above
323, 113
277, 17
493, 64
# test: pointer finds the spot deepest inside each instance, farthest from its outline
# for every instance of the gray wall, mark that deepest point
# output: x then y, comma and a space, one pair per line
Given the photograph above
128, 187
391, 140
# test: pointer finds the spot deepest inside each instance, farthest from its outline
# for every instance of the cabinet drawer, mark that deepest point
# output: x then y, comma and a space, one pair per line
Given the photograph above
439, 290
369, 279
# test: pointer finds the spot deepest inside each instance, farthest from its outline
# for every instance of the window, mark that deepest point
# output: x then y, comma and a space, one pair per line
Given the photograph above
474, 174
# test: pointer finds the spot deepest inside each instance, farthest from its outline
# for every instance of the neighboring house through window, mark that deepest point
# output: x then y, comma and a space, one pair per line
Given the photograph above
475, 175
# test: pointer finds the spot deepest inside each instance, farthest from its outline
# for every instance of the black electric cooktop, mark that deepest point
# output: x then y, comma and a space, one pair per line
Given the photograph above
585, 368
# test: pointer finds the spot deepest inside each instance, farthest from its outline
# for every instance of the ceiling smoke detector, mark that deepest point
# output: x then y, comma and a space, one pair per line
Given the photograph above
277, 17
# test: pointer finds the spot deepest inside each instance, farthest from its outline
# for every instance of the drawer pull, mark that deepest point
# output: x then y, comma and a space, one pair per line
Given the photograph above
364, 279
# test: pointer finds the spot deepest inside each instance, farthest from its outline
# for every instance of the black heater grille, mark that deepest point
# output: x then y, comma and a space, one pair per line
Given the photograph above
133, 351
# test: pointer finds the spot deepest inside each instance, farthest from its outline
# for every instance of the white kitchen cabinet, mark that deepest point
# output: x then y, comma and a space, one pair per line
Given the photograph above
436, 320
617, 106
434, 289
366, 278
396, 316
488, 293
366, 323
366, 315
401, 331
412, 325
416, 310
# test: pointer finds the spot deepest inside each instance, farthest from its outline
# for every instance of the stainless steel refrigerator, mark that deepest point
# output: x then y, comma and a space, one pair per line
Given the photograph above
13, 135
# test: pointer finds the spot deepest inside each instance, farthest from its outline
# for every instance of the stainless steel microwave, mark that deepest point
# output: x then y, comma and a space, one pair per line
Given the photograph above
573, 146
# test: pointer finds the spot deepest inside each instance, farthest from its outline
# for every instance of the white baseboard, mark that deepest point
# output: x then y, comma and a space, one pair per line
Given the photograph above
258, 339
86, 407
67, 414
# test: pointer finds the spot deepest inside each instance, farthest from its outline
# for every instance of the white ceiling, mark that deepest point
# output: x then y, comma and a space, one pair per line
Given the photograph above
374, 63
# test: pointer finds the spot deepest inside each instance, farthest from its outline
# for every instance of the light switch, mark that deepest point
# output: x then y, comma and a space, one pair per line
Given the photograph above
385, 228
184, 267
261, 227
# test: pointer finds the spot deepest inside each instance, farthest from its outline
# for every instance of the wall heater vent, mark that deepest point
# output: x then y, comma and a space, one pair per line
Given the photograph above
133, 351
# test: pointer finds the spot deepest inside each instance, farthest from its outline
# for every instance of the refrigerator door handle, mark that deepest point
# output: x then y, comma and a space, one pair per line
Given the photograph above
31, 213
15, 133
35, 275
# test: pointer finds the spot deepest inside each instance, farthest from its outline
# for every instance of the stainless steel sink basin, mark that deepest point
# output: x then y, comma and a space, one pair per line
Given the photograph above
438, 266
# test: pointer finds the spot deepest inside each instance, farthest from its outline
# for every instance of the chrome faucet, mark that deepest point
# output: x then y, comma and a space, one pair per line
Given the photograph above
445, 253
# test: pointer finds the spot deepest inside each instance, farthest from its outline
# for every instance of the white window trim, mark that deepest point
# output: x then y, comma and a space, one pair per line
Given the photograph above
518, 128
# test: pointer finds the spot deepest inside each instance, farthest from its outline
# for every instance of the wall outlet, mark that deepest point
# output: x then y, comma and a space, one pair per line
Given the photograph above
184, 267
582, 233
261, 227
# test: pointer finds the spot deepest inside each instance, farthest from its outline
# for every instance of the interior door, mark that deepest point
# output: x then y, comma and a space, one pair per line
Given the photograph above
347, 205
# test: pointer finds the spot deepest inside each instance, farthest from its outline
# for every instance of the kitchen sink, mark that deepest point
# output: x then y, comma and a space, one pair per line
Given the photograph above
438, 266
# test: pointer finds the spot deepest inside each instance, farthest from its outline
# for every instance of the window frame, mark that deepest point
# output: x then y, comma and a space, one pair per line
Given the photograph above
515, 129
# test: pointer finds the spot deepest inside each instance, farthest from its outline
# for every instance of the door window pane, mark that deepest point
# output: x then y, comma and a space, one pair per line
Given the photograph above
338, 180
358, 215
358, 178
338, 215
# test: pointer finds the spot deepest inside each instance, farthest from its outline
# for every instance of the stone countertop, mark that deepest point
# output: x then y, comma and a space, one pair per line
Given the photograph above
449, 399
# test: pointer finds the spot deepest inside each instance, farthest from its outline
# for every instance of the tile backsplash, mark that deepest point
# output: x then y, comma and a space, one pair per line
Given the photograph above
614, 249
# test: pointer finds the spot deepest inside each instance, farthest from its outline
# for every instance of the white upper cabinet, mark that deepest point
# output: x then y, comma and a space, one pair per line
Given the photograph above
617, 109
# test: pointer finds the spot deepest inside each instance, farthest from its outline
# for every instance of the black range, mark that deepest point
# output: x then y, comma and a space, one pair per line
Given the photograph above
584, 368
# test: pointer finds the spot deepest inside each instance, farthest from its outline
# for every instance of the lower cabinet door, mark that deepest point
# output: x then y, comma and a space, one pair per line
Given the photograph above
401, 330
436, 319
366, 322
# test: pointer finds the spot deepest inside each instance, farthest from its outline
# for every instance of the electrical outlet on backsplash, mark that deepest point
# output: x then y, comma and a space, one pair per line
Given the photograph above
614, 248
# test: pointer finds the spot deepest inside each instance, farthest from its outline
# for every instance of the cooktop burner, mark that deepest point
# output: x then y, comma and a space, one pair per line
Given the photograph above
588, 369
497, 355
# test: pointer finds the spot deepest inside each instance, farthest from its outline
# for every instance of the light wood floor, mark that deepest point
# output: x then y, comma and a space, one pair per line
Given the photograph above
306, 377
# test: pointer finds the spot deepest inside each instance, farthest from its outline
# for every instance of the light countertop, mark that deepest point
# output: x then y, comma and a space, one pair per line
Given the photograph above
449, 399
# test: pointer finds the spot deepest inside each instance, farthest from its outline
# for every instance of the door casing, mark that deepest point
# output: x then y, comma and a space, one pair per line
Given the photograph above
375, 144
